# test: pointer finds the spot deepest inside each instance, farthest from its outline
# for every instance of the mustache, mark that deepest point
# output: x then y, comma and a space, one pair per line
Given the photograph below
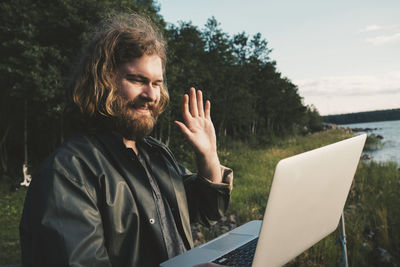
141, 104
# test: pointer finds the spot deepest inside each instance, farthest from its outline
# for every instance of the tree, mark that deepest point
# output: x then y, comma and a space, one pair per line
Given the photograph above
40, 44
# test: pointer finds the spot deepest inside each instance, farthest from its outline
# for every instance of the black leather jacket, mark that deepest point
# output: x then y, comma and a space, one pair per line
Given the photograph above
90, 204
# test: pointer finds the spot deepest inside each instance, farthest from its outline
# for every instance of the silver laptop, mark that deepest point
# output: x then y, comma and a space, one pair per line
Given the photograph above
307, 197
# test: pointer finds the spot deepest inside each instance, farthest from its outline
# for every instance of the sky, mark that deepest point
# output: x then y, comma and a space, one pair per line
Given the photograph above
343, 55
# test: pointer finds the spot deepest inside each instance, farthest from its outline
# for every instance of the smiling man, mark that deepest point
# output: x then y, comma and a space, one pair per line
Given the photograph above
112, 195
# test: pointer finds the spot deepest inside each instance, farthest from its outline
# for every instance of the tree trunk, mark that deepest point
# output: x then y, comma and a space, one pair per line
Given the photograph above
220, 129
27, 176
253, 127
26, 132
3, 151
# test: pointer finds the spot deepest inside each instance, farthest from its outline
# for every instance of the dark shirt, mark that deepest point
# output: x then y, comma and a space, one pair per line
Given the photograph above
172, 238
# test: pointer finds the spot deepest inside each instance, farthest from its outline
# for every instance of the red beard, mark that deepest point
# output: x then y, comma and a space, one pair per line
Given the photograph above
132, 124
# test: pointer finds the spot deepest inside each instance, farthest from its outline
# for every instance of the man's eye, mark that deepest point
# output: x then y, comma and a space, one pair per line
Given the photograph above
156, 84
135, 80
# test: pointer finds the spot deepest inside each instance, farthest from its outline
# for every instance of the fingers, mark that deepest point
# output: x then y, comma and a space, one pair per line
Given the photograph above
193, 103
187, 117
185, 105
195, 106
183, 128
200, 103
207, 110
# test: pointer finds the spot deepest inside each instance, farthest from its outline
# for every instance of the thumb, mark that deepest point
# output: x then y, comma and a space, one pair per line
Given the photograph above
185, 130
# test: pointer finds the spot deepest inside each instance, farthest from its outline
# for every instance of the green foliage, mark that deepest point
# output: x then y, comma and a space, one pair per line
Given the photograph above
254, 169
313, 120
372, 209
373, 143
372, 215
250, 99
39, 48
42, 43
11, 205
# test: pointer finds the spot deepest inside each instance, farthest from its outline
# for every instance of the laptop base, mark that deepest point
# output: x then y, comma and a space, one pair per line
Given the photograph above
214, 249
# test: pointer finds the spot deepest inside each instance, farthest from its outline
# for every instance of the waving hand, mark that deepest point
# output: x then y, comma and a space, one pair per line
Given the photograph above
199, 130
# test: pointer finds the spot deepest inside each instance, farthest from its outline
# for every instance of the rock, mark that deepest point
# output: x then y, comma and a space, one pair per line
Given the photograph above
200, 235
365, 156
385, 255
232, 218
331, 126
363, 129
27, 177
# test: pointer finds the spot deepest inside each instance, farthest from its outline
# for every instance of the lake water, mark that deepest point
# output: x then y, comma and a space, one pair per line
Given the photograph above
390, 130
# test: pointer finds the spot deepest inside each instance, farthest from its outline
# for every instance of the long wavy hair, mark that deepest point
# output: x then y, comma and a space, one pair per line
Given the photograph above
119, 39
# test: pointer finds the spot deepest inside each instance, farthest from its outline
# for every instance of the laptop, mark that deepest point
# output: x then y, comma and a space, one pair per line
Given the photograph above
306, 200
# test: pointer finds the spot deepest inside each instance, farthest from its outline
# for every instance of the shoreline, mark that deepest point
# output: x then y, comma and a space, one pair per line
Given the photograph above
382, 143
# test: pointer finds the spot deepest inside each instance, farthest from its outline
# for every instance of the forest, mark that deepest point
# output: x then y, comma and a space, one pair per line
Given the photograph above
367, 116
41, 43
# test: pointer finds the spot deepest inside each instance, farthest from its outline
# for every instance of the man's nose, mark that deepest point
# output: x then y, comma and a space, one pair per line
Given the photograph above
149, 92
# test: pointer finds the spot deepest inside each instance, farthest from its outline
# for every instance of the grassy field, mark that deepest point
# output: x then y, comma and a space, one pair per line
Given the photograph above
11, 205
371, 212
253, 169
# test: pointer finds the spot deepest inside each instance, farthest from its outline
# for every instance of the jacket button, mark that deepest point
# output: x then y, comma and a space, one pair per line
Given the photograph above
152, 221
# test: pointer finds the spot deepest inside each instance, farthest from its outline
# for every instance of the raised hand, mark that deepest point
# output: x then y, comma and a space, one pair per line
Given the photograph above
197, 126
199, 130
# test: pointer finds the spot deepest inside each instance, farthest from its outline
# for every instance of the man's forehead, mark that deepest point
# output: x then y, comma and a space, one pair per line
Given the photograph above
153, 62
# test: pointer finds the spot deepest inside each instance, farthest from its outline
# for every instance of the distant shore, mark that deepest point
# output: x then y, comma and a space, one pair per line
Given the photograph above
363, 117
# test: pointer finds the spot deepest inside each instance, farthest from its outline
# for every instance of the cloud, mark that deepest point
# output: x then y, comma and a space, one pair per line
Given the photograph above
371, 28
383, 39
351, 85
342, 94
351, 104
388, 33
374, 27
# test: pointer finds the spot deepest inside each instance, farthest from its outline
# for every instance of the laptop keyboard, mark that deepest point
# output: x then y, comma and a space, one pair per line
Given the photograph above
242, 256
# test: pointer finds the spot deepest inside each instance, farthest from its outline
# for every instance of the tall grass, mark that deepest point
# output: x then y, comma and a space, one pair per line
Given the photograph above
254, 169
373, 143
11, 204
372, 216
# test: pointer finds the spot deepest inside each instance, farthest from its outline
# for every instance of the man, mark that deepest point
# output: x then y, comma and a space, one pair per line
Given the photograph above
112, 196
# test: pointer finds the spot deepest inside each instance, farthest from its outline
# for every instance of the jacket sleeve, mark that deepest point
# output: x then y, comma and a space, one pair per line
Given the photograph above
61, 224
207, 201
